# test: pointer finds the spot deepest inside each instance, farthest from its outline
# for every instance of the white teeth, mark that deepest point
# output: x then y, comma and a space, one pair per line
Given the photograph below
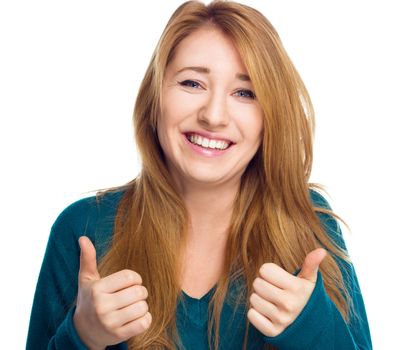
208, 143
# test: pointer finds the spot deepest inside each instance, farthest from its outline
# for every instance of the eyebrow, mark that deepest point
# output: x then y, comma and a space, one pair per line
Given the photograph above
205, 70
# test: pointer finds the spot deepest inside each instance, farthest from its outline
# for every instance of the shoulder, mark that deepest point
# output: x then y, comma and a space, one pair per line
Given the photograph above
91, 216
318, 200
87, 210
327, 220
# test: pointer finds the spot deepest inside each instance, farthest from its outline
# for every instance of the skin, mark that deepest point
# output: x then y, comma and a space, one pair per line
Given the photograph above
216, 102
113, 309
109, 310
279, 297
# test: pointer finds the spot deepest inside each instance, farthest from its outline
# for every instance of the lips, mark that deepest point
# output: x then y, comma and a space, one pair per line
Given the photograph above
209, 135
206, 151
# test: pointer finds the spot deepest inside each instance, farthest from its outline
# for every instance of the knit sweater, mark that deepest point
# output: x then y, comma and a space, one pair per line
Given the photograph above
319, 326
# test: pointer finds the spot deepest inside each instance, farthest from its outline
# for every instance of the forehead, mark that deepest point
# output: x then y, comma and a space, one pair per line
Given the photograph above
207, 46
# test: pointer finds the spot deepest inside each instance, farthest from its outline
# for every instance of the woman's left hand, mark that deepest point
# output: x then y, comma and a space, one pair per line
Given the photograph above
279, 296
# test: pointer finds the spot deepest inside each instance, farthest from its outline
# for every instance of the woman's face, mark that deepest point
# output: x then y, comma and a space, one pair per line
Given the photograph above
211, 123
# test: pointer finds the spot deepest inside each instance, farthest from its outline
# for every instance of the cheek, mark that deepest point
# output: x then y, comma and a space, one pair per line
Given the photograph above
178, 104
175, 109
170, 116
251, 126
258, 125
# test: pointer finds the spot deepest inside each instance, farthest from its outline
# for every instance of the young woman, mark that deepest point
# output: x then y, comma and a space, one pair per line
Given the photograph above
220, 242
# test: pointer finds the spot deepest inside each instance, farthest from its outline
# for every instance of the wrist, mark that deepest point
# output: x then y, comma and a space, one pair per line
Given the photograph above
78, 325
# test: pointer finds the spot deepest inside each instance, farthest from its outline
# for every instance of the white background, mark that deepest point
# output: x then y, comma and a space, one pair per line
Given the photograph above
69, 74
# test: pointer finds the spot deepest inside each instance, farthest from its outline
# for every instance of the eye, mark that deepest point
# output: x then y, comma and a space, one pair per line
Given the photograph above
189, 83
246, 94
241, 93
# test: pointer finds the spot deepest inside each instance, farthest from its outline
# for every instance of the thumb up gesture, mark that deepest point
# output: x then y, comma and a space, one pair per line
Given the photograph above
109, 310
279, 296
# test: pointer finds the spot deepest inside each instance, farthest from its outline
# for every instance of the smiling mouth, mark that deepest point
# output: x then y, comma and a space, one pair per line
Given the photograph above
207, 143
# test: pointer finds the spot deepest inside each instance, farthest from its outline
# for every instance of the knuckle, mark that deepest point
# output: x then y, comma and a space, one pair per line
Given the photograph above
282, 318
98, 311
277, 318
140, 292
250, 313
94, 292
140, 326
253, 298
289, 306
257, 283
129, 276
137, 327
269, 332
99, 307
278, 330
263, 268
120, 334
266, 268
145, 322
109, 324
143, 307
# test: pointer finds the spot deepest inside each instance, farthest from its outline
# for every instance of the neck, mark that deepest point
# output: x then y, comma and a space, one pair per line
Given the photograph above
210, 209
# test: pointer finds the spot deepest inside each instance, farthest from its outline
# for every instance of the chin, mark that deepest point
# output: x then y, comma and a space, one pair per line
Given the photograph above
208, 178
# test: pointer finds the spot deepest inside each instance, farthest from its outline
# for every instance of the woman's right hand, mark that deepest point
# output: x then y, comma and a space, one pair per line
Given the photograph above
109, 310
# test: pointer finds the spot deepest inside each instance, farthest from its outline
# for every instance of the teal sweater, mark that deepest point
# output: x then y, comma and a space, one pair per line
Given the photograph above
318, 327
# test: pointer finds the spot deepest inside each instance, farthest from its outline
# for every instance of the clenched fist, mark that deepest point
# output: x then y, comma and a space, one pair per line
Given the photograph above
109, 310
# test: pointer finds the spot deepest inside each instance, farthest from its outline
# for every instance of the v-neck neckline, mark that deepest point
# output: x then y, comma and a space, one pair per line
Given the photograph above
202, 298
195, 310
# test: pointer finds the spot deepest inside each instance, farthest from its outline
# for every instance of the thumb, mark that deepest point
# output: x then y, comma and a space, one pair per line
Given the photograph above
88, 263
311, 264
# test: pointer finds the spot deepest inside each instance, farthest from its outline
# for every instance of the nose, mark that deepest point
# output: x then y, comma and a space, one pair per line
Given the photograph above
214, 112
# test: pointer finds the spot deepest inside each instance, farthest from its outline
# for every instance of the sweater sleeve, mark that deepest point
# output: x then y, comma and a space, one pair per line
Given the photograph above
320, 325
51, 323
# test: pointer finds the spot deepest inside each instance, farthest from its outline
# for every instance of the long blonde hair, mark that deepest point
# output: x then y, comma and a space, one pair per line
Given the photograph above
273, 220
